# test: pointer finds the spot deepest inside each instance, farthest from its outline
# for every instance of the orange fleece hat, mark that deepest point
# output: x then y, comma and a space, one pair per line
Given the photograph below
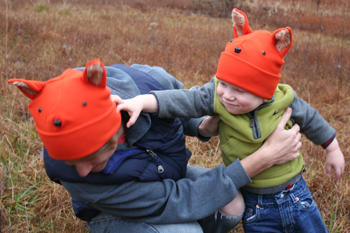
74, 114
253, 59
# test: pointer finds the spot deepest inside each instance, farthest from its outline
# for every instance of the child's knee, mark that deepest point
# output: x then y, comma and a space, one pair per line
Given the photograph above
236, 206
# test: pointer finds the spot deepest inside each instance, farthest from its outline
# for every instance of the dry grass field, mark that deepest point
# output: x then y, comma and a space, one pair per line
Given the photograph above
41, 38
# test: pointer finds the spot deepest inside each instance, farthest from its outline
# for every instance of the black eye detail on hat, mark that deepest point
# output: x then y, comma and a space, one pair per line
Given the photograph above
40, 110
57, 123
84, 103
238, 50
231, 40
263, 53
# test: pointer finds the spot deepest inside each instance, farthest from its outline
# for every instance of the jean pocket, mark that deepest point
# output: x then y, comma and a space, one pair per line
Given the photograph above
305, 201
250, 213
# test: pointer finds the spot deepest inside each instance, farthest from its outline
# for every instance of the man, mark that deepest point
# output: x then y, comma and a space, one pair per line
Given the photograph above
103, 165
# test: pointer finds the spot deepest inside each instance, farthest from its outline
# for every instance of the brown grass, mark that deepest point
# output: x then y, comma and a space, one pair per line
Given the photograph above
40, 39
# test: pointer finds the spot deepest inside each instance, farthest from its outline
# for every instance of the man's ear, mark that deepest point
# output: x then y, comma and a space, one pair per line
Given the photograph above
284, 40
29, 87
95, 73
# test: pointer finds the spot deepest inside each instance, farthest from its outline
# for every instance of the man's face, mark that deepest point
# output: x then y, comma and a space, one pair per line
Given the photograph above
96, 162
236, 100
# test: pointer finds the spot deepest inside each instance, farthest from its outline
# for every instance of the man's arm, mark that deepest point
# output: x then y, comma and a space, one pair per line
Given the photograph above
165, 201
168, 201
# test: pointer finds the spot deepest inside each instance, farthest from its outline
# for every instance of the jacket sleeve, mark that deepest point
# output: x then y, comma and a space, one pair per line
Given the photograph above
169, 82
311, 123
195, 102
165, 201
166, 80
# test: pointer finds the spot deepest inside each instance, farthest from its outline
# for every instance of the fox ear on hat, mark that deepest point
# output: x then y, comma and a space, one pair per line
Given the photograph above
29, 87
73, 112
240, 23
284, 40
95, 73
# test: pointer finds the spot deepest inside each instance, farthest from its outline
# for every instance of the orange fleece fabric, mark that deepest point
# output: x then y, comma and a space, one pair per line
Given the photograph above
73, 117
252, 61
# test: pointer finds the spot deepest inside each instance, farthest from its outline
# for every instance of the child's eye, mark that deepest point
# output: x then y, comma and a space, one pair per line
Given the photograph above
240, 90
223, 84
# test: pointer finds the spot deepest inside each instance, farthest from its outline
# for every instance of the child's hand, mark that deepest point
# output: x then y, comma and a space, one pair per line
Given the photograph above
132, 106
335, 160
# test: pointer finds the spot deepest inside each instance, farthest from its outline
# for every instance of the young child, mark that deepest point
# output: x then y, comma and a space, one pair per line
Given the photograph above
247, 96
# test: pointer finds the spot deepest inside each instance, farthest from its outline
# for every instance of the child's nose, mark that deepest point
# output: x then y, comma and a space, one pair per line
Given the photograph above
229, 96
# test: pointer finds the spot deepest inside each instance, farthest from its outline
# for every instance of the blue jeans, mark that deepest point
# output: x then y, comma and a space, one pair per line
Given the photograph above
291, 210
105, 223
216, 223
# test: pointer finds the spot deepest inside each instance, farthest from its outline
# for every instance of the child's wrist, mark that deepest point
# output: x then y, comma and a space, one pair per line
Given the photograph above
333, 146
329, 142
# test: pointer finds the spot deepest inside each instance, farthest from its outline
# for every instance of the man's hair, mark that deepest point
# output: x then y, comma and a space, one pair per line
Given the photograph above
104, 148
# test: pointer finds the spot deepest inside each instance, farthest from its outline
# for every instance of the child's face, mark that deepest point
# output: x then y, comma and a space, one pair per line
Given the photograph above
96, 162
236, 100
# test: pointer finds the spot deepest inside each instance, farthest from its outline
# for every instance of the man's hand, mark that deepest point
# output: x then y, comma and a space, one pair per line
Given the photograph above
285, 143
280, 147
209, 127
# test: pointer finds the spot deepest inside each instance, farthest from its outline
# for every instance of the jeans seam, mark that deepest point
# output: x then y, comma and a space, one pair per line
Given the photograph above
105, 220
153, 228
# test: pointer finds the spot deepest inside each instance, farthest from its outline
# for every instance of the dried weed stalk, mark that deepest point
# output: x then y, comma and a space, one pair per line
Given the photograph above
42, 39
